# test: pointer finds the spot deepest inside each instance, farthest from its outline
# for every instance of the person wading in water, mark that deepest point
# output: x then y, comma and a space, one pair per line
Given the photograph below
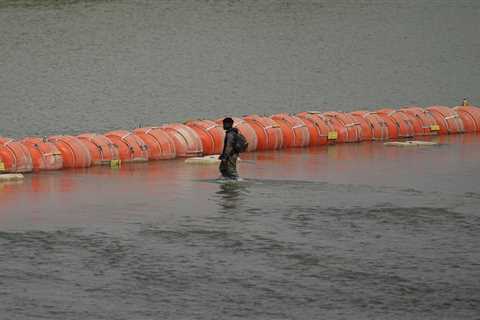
234, 143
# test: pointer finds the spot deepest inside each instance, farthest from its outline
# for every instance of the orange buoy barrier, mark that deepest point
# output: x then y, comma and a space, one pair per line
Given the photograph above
295, 131
245, 129
269, 134
211, 134
448, 120
321, 130
365, 125
14, 157
204, 137
74, 152
423, 121
374, 126
403, 122
45, 155
160, 145
187, 142
102, 150
470, 116
130, 147
348, 129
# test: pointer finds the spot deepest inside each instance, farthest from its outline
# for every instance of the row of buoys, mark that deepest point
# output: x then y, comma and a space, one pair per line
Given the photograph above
205, 137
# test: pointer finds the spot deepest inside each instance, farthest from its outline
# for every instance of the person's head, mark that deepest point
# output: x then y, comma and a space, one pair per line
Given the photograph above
227, 123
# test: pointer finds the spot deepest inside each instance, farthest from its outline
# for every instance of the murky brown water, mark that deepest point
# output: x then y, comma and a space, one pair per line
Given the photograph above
356, 231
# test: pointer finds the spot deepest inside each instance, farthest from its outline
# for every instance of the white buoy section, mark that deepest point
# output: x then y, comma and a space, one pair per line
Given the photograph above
11, 177
412, 143
213, 159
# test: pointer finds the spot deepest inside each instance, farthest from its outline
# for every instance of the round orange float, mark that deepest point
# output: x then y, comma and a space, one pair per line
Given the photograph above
74, 152
245, 129
318, 127
269, 134
447, 119
160, 145
14, 157
102, 150
403, 123
45, 155
365, 125
380, 128
470, 116
130, 147
187, 142
423, 121
211, 134
348, 129
295, 131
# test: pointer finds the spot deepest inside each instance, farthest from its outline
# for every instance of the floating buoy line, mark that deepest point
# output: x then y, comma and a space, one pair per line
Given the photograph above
199, 138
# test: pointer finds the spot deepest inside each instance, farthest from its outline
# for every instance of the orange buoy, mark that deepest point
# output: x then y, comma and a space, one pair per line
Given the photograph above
403, 122
130, 147
348, 129
74, 152
187, 142
381, 128
245, 129
102, 150
318, 127
294, 130
269, 134
470, 116
211, 134
45, 155
367, 128
447, 119
160, 145
14, 157
423, 120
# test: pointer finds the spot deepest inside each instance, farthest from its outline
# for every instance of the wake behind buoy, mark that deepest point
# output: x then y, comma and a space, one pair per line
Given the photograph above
411, 143
212, 159
11, 177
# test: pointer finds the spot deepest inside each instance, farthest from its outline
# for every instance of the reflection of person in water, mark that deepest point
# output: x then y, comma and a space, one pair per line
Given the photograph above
230, 195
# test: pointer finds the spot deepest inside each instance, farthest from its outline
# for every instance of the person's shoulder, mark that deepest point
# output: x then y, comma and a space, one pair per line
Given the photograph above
233, 131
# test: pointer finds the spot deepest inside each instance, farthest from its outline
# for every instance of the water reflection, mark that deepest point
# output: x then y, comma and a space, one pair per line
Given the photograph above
231, 194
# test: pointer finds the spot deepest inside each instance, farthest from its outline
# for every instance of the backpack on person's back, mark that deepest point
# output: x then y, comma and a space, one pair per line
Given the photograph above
241, 144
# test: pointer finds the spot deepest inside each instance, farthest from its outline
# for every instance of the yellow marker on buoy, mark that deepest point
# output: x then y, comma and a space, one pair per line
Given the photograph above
332, 135
2, 166
115, 163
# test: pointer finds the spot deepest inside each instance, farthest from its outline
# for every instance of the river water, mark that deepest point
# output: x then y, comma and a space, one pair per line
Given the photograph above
359, 231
